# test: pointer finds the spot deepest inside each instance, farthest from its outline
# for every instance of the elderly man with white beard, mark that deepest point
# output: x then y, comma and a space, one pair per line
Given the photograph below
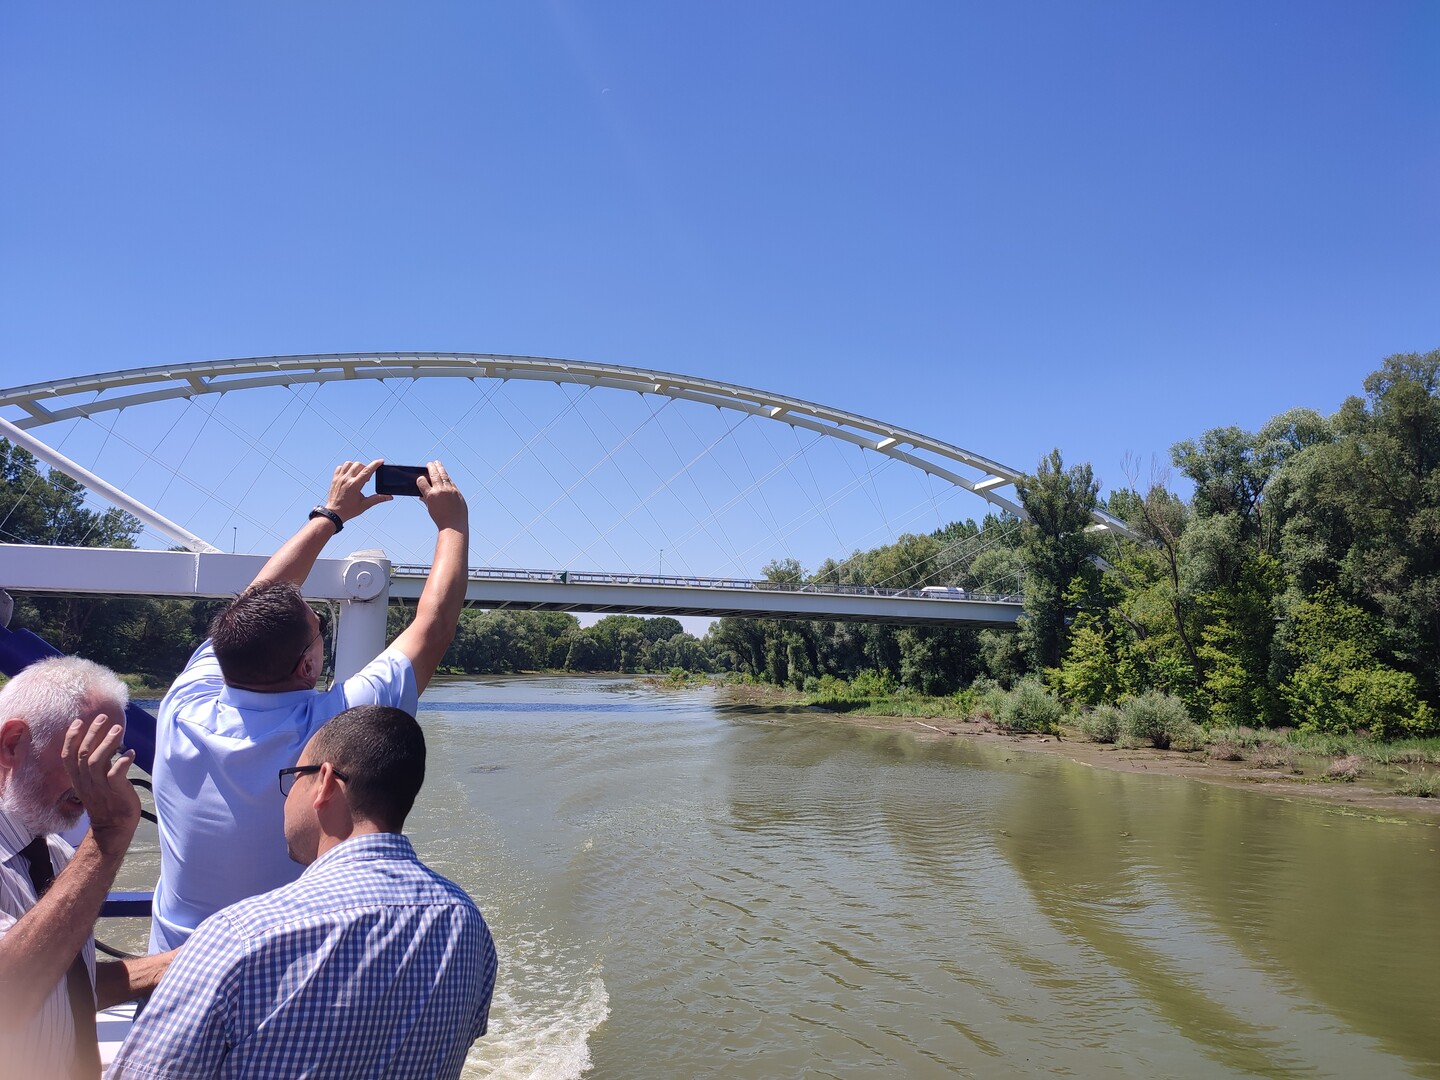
61, 726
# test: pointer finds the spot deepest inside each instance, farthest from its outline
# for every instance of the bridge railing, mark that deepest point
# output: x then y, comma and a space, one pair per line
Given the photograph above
690, 581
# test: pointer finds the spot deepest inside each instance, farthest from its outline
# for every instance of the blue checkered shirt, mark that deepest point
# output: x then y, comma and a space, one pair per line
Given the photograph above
370, 965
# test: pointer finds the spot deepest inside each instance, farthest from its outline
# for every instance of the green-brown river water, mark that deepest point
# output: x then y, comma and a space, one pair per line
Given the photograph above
681, 890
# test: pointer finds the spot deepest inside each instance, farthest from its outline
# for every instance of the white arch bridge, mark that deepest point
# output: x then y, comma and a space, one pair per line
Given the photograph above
361, 583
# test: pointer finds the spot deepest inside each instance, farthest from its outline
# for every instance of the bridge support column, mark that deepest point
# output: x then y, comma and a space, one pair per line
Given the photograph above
360, 626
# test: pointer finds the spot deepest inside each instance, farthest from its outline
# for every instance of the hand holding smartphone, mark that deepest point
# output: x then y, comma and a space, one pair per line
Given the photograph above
399, 479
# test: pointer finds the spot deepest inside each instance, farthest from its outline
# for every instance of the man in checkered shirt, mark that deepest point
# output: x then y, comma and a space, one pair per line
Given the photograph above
370, 965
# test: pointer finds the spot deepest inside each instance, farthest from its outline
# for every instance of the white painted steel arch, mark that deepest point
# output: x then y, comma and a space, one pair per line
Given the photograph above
85, 396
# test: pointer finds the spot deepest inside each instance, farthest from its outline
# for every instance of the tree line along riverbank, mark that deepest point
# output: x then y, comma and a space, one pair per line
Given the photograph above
1295, 586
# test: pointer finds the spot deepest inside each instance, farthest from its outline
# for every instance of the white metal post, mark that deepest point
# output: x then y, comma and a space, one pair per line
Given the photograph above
360, 624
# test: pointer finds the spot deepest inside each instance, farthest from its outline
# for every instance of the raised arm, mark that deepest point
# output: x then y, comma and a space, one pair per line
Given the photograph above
347, 500
437, 613
37, 950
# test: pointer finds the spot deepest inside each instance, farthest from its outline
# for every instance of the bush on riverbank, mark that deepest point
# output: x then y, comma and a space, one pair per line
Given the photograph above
1149, 719
1421, 785
1029, 707
1247, 741
1159, 720
1345, 768
1102, 724
870, 692
1409, 767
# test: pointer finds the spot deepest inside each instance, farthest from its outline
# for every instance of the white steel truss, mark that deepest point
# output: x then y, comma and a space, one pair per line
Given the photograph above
39, 404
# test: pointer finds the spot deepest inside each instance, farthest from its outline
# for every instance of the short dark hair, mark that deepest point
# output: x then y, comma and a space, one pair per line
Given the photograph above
261, 635
382, 752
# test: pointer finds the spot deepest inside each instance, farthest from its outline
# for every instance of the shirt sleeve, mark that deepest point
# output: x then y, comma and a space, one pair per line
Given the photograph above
189, 1025
389, 679
202, 673
489, 964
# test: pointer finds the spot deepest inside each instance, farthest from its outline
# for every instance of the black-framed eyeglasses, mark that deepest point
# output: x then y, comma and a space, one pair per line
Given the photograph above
287, 776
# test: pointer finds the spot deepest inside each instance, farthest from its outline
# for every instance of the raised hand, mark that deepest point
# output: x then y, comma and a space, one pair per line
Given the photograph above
443, 499
347, 496
102, 785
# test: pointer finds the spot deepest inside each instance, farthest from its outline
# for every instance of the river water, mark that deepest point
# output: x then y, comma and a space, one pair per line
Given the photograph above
678, 889
681, 890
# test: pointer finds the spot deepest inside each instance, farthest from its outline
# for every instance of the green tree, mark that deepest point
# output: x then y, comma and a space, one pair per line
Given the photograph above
738, 645
661, 628
1092, 672
553, 644
1361, 511
40, 506
480, 643
1236, 646
784, 571
938, 660
1160, 519
133, 634
681, 650
1230, 580
587, 652
1056, 550
1340, 685
908, 563
1229, 475
1394, 561
1002, 657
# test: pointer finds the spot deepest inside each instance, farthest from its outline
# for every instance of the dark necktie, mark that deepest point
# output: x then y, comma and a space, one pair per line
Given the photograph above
77, 979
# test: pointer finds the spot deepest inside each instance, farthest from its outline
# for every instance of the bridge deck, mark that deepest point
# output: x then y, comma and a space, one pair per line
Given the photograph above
362, 577
649, 594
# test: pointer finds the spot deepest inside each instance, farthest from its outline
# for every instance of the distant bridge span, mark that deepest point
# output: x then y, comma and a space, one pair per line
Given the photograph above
365, 577
650, 594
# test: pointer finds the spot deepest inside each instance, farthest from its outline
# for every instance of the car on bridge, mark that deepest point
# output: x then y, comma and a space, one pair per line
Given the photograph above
947, 592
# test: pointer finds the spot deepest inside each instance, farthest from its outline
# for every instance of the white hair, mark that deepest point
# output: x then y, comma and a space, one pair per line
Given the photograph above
49, 694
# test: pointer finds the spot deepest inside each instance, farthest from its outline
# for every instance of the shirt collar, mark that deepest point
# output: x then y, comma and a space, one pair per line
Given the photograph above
13, 836
260, 701
385, 845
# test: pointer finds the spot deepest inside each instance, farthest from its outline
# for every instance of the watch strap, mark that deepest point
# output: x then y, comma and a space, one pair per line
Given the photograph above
329, 515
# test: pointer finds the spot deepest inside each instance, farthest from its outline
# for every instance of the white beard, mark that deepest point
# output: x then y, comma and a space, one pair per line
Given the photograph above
21, 800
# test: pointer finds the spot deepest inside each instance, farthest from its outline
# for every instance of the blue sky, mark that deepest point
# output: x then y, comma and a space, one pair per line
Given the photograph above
1102, 227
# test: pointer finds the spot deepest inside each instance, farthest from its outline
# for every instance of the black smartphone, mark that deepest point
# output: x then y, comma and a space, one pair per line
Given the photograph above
398, 479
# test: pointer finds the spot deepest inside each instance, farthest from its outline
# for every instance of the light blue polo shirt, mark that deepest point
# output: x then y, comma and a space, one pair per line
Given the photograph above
217, 751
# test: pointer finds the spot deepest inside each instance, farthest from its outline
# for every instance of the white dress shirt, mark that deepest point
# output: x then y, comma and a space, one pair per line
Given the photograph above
217, 751
46, 1046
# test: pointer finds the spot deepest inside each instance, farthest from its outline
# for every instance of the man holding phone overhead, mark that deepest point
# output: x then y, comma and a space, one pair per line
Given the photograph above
247, 703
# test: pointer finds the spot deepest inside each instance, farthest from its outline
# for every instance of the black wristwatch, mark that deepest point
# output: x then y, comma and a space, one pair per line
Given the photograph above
327, 513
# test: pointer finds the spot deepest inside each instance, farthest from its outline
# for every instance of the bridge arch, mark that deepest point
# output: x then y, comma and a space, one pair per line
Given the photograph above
89, 395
